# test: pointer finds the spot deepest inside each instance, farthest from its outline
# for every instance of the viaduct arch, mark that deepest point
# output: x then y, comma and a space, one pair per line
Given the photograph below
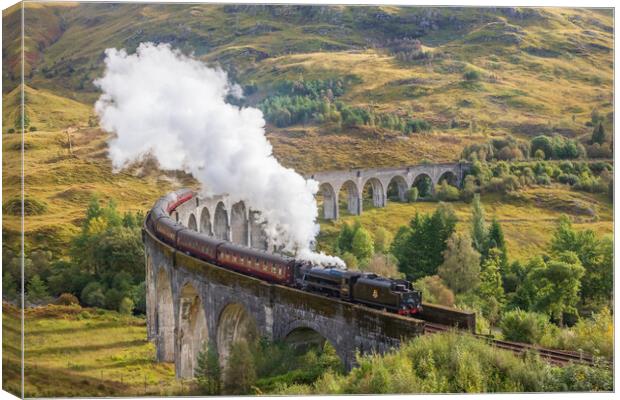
344, 190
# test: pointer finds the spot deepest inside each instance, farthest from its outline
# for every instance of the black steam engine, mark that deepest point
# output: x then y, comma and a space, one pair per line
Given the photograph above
393, 295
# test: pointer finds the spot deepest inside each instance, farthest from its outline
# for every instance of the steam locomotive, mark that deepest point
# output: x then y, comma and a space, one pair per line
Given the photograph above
394, 295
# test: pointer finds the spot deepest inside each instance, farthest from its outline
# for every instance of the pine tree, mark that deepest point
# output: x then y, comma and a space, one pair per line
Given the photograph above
37, 290
598, 134
496, 240
478, 228
419, 247
208, 372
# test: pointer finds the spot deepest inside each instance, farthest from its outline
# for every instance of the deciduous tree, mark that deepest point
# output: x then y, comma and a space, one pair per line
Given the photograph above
461, 267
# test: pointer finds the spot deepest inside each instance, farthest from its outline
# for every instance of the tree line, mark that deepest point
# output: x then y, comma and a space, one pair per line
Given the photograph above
103, 267
316, 101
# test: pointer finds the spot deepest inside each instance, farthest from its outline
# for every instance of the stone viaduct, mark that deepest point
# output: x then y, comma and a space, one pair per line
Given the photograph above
191, 303
379, 180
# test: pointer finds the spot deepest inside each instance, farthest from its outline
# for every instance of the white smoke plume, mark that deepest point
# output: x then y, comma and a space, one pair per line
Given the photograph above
162, 103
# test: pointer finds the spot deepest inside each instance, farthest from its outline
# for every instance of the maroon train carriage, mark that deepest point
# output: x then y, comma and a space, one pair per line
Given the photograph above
258, 263
167, 230
198, 245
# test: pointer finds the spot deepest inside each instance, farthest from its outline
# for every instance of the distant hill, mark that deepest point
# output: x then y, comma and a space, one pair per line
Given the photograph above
467, 73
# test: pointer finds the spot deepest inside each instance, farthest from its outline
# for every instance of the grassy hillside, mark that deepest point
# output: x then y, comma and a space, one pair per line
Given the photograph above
527, 218
539, 71
72, 351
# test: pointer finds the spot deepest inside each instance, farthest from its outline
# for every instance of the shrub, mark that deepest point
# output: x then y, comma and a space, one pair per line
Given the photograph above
539, 154
471, 75
523, 326
126, 306
412, 195
543, 179
568, 179
113, 298
434, 290
67, 299
453, 363
11, 130
446, 192
31, 207
92, 295
33, 129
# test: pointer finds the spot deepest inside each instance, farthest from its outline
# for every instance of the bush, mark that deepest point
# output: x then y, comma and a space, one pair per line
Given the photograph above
33, 129
113, 298
568, 179
434, 290
471, 75
412, 195
453, 363
446, 192
11, 130
539, 154
523, 326
92, 295
126, 306
67, 299
543, 179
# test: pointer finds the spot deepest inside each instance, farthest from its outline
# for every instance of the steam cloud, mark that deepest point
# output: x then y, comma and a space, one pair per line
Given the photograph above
173, 107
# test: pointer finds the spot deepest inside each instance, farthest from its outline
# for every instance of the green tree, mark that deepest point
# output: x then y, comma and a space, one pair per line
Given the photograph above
382, 240
93, 295
9, 286
36, 291
554, 286
598, 134
345, 238
461, 267
491, 289
207, 372
478, 227
594, 256
363, 246
496, 240
543, 143
419, 247
240, 373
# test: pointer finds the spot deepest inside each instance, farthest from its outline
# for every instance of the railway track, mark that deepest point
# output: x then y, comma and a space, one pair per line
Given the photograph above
555, 357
